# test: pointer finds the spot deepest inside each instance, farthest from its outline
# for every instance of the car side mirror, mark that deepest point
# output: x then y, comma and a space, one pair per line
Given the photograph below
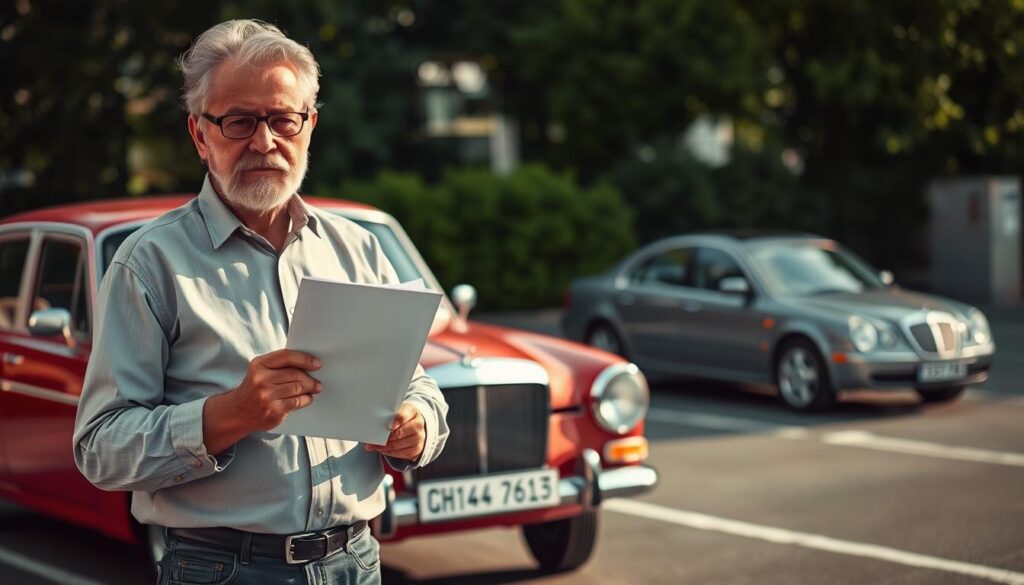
886, 277
50, 322
464, 297
736, 285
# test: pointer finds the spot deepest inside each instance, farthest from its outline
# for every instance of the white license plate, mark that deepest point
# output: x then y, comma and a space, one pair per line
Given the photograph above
488, 494
942, 372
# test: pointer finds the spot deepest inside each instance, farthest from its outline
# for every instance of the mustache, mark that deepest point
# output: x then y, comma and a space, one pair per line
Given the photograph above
261, 162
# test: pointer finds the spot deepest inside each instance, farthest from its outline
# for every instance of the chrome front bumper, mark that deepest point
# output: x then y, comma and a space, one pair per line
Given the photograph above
589, 487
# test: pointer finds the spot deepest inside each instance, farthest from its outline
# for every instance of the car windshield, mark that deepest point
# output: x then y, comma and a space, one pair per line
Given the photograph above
393, 249
812, 268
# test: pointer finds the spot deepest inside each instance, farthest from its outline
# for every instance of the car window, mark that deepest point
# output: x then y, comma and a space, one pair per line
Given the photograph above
713, 266
671, 268
62, 282
803, 269
394, 251
12, 265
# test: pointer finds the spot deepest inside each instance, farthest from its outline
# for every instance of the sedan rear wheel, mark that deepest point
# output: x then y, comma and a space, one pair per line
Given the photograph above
802, 377
602, 336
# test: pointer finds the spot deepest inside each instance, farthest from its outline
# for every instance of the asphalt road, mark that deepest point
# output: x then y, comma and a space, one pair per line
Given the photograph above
882, 490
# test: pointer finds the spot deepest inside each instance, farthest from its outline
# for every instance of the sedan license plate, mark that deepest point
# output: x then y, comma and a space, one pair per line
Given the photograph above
942, 372
488, 494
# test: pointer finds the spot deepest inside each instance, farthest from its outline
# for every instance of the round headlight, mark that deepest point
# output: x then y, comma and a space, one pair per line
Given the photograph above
863, 334
620, 397
979, 326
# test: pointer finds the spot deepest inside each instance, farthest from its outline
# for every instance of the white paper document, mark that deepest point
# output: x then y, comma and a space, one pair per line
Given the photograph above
369, 339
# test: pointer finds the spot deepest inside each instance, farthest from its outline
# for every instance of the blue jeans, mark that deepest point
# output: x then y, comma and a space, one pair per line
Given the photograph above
192, 563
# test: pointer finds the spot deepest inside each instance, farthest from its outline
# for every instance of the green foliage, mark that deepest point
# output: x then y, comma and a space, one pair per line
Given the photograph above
518, 239
673, 193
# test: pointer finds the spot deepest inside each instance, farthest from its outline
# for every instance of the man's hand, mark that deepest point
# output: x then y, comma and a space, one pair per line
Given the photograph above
408, 435
276, 384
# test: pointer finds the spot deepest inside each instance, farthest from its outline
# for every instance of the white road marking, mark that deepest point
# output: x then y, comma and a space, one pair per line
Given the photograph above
37, 567
854, 438
808, 540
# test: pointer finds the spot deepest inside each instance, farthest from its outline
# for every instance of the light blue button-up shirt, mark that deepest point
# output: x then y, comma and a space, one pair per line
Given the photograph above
187, 302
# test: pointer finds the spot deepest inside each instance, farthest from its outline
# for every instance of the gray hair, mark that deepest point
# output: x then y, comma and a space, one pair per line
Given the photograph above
253, 42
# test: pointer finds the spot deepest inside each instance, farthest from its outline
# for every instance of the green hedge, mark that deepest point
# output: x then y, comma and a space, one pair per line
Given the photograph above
519, 239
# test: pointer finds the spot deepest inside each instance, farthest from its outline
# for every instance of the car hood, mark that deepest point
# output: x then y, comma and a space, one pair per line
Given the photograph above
889, 304
571, 367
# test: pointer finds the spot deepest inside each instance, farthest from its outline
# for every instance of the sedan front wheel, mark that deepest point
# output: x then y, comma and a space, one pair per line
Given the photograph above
802, 377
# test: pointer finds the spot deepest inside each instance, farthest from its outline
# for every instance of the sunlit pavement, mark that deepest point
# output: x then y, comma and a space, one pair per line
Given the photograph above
882, 490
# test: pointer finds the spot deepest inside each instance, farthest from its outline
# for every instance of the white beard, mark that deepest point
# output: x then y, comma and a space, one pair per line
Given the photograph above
259, 194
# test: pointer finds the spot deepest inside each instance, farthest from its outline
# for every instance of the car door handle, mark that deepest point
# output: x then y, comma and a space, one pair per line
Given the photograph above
690, 306
13, 359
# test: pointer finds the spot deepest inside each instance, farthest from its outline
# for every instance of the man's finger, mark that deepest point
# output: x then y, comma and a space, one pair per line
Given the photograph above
288, 358
406, 413
296, 384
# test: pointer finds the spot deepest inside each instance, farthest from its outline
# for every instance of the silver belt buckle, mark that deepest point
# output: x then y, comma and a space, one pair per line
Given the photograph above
288, 547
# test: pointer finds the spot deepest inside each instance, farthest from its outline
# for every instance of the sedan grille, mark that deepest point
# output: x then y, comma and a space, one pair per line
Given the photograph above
936, 334
493, 429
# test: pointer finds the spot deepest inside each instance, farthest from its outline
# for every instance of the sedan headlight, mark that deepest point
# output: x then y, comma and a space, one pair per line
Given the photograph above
980, 330
620, 397
863, 334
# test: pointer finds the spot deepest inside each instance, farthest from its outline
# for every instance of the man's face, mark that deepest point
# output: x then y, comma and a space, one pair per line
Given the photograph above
262, 172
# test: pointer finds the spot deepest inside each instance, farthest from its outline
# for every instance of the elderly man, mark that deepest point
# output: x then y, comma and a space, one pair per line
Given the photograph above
188, 375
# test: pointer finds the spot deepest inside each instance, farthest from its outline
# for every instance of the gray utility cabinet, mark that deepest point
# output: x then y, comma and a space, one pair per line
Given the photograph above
976, 238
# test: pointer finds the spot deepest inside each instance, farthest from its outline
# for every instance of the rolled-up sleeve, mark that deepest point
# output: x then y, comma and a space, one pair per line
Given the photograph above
126, 437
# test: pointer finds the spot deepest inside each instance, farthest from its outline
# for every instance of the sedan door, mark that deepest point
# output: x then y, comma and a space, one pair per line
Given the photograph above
43, 375
14, 249
658, 291
728, 323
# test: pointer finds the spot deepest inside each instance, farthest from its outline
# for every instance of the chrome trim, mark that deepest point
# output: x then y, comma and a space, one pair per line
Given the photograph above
37, 392
488, 372
619, 482
601, 384
481, 427
933, 319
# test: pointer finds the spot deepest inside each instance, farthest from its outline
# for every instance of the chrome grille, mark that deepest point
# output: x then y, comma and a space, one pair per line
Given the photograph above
935, 334
493, 429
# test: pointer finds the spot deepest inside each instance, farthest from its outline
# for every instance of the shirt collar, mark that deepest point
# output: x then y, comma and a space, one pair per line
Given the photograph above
221, 222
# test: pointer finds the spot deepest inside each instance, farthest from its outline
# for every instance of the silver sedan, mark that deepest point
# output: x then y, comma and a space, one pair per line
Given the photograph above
797, 311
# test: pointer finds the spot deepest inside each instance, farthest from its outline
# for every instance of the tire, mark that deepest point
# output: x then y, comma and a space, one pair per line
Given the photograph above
562, 545
603, 336
802, 378
943, 394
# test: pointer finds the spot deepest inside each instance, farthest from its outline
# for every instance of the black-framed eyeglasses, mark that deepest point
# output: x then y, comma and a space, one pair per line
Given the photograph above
239, 126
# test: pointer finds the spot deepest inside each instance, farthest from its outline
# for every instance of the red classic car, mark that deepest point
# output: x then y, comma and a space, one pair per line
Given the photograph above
541, 429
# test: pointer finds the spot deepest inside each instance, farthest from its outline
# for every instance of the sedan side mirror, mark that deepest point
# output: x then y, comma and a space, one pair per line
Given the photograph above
734, 285
886, 277
50, 322
464, 297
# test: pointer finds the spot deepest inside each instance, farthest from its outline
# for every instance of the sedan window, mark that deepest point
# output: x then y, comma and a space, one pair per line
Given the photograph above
12, 266
671, 268
62, 282
713, 266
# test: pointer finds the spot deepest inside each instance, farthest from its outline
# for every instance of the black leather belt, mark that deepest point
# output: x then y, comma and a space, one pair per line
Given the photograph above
294, 548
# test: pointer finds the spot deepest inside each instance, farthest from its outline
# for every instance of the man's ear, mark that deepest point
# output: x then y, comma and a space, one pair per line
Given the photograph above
312, 119
198, 137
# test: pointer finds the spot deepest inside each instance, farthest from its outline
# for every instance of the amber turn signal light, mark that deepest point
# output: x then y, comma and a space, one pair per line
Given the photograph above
627, 450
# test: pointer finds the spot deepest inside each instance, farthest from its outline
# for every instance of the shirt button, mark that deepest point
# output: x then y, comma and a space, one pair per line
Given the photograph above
319, 512
197, 463
178, 478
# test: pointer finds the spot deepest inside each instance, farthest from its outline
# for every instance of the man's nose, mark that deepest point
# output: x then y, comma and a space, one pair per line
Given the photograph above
263, 140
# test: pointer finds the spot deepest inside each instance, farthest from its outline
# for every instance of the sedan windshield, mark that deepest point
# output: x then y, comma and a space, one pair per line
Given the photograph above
811, 268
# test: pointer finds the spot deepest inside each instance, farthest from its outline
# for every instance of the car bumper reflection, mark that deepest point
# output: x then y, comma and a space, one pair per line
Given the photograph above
588, 488
897, 370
